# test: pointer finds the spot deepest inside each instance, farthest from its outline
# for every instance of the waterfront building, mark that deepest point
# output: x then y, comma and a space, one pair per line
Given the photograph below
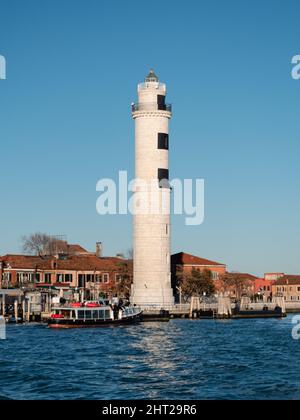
236, 284
263, 286
152, 229
272, 277
184, 264
288, 286
79, 270
187, 263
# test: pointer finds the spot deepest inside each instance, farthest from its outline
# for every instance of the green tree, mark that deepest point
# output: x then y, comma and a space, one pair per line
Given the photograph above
195, 283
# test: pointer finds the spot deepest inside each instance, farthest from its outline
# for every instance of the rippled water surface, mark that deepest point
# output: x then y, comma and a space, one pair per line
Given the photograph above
247, 359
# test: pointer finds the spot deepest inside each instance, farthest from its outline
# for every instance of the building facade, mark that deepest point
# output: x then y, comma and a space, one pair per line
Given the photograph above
84, 271
187, 263
184, 264
263, 287
288, 286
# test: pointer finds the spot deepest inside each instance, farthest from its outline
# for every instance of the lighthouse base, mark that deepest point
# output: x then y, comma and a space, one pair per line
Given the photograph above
154, 298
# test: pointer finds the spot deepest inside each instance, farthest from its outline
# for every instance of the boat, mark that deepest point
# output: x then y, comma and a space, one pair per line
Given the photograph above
264, 313
93, 315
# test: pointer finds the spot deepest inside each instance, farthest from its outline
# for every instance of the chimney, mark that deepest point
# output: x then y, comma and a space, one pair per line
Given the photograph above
99, 250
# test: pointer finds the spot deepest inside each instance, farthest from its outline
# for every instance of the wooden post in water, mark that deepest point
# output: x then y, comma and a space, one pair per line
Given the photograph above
28, 309
24, 310
16, 306
192, 307
3, 304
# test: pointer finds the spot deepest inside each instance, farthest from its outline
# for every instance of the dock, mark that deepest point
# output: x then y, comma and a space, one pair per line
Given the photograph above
24, 306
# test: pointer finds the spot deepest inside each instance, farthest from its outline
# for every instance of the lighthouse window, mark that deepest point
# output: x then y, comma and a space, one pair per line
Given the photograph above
163, 141
163, 178
161, 102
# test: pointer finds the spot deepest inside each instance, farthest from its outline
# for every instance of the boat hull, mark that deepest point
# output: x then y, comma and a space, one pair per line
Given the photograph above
258, 314
71, 324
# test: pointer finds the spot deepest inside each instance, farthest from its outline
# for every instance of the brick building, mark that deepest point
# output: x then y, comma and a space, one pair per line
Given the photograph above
263, 286
77, 269
188, 263
237, 284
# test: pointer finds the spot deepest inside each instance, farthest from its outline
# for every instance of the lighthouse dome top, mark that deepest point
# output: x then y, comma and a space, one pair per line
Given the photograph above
152, 84
152, 77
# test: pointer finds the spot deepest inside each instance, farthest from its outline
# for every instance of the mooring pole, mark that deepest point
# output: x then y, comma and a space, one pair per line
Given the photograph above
3, 304
24, 310
16, 305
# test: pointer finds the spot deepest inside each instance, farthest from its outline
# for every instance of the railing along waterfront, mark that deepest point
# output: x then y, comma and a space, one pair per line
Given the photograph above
151, 107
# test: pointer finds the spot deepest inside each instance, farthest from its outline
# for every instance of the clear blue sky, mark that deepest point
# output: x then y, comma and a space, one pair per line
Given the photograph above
72, 69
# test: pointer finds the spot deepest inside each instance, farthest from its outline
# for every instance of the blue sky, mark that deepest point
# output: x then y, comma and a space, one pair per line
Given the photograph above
72, 71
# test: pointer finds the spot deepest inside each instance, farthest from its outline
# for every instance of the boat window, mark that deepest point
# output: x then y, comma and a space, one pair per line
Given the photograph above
107, 314
101, 314
80, 314
95, 315
88, 315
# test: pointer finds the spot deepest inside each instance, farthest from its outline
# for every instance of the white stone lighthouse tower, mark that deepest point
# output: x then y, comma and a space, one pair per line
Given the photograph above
152, 266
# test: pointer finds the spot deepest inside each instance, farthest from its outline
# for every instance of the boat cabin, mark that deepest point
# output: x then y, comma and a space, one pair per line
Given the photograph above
99, 313
84, 314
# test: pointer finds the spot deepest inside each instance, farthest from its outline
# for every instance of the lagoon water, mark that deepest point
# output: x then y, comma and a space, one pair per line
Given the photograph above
247, 359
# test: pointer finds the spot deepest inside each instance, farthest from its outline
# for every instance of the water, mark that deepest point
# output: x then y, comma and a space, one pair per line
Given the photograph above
247, 359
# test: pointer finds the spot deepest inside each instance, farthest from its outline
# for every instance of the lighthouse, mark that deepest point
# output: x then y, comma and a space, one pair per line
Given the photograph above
152, 230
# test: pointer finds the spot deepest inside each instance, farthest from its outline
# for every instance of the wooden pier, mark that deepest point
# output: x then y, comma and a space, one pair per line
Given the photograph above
21, 306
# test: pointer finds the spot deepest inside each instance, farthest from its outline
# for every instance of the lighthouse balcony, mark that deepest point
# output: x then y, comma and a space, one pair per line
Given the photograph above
150, 107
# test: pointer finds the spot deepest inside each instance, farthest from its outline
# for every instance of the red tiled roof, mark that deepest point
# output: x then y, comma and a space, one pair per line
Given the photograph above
245, 276
187, 259
24, 261
76, 249
288, 280
71, 263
